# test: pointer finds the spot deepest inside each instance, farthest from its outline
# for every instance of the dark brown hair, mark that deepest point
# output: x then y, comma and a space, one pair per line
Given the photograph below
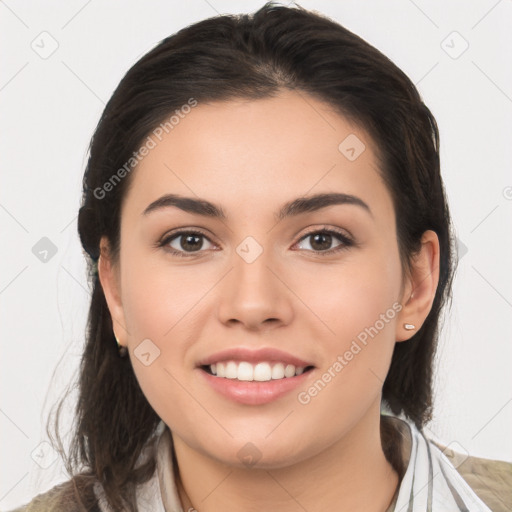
249, 56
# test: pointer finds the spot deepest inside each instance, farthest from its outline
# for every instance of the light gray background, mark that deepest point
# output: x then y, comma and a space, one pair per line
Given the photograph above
50, 107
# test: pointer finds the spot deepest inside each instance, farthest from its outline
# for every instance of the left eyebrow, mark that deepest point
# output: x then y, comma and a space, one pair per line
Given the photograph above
317, 202
294, 207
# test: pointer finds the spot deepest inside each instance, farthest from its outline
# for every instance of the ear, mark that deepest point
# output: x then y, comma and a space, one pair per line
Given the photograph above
109, 277
420, 287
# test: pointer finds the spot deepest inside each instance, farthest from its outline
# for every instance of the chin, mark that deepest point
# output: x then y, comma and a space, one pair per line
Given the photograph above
257, 453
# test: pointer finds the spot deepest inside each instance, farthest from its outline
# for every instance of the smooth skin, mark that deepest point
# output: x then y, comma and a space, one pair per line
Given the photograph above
250, 157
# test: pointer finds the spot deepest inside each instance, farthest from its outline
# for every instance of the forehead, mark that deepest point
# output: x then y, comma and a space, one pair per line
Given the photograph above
248, 154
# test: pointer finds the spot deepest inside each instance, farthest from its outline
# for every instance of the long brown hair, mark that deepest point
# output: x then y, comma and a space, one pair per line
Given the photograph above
249, 56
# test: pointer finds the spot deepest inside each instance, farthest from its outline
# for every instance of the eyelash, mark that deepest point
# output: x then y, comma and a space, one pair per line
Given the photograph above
345, 240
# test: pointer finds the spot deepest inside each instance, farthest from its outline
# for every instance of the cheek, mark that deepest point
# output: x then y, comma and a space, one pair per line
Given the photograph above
349, 297
159, 304
358, 307
159, 300
161, 307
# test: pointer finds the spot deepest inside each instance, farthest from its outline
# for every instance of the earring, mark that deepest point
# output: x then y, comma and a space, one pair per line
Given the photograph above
121, 348
409, 327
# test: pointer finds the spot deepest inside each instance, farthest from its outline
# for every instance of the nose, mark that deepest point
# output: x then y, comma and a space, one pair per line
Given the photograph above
255, 294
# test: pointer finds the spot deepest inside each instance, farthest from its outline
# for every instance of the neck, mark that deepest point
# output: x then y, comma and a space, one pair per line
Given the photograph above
352, 474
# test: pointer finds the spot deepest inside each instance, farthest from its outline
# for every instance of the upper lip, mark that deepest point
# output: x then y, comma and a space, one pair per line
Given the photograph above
254, 356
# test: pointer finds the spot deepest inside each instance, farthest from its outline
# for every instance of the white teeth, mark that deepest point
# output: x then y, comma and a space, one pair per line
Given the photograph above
220, 369
261, 372
245, 371
231, 370
278, 371
289, 371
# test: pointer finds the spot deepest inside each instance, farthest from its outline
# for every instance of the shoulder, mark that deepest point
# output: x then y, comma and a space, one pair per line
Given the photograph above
60, 498
491, 480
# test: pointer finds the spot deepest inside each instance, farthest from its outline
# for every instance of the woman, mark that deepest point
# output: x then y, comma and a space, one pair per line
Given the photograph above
270, 251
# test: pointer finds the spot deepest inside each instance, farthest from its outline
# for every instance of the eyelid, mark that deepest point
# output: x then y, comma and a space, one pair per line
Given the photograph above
180, 231
325, 228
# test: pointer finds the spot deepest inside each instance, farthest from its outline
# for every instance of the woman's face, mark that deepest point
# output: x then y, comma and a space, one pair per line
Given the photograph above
266, 289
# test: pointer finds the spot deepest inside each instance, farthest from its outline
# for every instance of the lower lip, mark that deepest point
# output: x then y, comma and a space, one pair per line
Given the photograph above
254, 392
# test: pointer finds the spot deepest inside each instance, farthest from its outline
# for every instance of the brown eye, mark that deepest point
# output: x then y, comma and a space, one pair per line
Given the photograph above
321, 241
185, 242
